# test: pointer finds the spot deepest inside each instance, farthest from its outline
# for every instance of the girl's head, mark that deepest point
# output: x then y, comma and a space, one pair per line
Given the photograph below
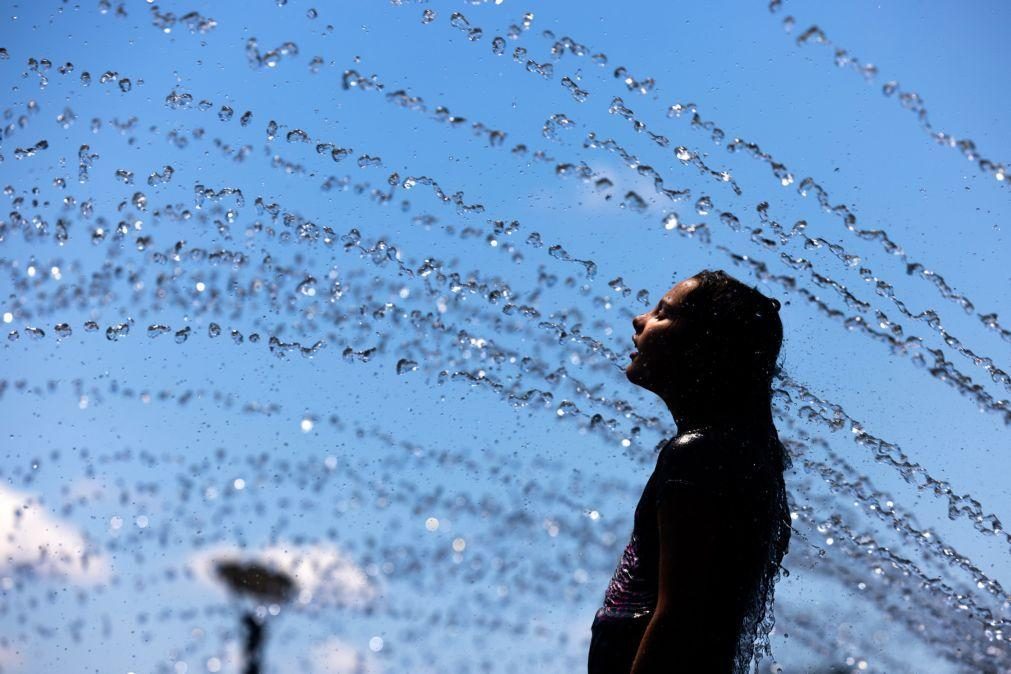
710, 340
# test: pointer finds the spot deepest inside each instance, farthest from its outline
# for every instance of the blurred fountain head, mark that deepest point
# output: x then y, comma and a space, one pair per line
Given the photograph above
250, 579
712, 343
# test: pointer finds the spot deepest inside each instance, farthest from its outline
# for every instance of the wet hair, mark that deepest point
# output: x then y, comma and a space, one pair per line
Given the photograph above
740, 335
740, 330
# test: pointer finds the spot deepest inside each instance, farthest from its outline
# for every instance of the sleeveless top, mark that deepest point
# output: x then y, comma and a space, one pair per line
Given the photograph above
729, 473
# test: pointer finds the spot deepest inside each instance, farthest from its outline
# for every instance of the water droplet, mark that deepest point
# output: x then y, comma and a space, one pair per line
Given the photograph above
405, 365
634, 202
731, 221
116, 332
703, 205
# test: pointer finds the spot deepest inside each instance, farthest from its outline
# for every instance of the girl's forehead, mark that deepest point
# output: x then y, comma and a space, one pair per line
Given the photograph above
681, 290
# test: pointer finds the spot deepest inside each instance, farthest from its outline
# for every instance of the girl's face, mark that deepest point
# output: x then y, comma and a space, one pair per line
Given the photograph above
659, 339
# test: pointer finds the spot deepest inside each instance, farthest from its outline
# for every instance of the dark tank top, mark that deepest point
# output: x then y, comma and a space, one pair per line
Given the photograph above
730, 472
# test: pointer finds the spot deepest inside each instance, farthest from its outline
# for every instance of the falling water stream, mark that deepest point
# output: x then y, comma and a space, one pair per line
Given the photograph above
347, 293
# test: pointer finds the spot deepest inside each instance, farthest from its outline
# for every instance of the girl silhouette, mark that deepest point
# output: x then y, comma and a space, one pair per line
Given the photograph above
695, 581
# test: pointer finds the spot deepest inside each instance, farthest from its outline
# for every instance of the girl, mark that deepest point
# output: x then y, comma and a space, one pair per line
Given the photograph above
696, 579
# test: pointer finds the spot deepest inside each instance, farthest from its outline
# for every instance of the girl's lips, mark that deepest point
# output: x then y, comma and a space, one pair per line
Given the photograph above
633, 355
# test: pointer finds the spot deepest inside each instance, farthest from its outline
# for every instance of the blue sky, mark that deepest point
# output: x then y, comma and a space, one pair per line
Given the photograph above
533, 508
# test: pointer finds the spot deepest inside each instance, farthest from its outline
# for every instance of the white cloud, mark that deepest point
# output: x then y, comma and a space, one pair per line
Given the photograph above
10, 659
32, 538
86, 489
334, 656
323, 574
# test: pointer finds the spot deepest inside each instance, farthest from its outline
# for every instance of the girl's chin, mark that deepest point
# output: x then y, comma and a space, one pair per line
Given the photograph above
634, 372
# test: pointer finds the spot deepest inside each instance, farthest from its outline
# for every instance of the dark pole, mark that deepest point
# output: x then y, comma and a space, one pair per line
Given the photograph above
259, 582
255, 636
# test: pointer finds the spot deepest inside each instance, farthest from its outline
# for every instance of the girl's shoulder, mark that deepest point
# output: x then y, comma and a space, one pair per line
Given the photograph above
689, 452
711, 451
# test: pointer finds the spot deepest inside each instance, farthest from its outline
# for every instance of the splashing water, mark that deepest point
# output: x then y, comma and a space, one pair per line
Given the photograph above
401, 375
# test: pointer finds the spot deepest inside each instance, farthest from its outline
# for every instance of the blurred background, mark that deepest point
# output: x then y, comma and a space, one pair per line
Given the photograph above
316, 318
